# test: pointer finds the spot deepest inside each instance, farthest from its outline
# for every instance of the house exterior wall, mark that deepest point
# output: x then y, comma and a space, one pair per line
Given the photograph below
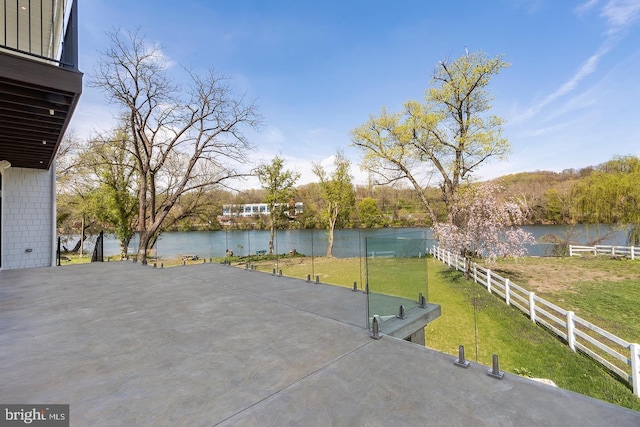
28, 215
41, 85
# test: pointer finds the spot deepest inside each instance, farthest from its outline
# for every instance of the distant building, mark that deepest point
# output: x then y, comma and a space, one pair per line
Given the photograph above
40, 88
252, 210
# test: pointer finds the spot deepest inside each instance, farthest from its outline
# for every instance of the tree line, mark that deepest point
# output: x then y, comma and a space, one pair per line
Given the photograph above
594, 194
171, 161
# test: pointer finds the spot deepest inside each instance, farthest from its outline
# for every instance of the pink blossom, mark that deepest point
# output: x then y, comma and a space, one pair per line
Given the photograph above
480, 225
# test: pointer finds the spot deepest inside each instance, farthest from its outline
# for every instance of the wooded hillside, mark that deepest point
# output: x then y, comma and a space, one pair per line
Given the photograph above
606, 193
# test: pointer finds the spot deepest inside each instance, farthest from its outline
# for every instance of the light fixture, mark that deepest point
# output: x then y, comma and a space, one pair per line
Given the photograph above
52, 112
44, 142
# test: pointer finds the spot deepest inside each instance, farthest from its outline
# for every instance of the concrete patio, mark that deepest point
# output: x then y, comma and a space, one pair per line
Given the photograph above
205, 345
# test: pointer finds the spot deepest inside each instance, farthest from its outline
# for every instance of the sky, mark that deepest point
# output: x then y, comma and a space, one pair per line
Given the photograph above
318, 69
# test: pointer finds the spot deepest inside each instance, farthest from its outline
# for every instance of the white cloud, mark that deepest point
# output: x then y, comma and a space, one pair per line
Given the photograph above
587, 68
158, 56
620, 14
586, 7
274, 135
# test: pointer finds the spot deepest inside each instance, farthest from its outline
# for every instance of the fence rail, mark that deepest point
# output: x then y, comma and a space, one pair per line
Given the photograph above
614, 251
614, 353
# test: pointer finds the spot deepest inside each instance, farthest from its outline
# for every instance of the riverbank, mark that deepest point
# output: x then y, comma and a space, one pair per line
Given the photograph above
349, 243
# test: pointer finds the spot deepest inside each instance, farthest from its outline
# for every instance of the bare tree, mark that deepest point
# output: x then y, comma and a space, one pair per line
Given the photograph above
182, 138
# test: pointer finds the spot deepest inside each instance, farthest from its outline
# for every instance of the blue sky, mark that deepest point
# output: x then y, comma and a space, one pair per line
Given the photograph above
318, 69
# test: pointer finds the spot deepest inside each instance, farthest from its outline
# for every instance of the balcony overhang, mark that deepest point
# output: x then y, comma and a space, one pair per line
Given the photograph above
37, 100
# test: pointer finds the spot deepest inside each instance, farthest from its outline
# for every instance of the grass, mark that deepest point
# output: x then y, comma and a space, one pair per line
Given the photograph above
71, 259
601, 290
522, 346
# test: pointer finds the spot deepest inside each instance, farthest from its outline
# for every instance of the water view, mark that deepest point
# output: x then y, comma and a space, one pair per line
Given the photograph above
348, 242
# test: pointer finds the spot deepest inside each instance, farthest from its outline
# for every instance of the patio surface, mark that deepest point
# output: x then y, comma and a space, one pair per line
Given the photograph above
206, 345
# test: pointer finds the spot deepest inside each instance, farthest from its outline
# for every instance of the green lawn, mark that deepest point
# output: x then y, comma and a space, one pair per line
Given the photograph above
601, 290
522, 347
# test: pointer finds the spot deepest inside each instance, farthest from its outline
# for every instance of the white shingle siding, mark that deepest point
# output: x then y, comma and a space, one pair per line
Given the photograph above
28, 218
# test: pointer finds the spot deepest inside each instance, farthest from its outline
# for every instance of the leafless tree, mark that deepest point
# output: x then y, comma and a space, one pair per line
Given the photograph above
183, 138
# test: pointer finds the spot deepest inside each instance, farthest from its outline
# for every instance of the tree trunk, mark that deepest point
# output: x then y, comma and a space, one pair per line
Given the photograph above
332, 226
124, 248
272, 233
145, 236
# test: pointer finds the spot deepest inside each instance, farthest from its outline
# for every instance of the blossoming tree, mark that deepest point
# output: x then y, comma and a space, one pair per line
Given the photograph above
481, 225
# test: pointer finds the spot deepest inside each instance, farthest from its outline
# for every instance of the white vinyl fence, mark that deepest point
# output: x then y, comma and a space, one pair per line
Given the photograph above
614, 251
613, 352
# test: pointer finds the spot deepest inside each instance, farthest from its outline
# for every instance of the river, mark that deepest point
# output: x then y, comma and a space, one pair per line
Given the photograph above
348, 242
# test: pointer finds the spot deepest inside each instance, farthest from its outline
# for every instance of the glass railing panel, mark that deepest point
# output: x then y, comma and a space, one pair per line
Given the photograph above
396, 275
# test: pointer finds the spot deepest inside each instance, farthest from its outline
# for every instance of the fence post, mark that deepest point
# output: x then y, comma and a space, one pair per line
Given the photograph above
489, 280
633, 255
635, 368
507, 297
532, 307
570, 250
475, 272
571, 337
449, 259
